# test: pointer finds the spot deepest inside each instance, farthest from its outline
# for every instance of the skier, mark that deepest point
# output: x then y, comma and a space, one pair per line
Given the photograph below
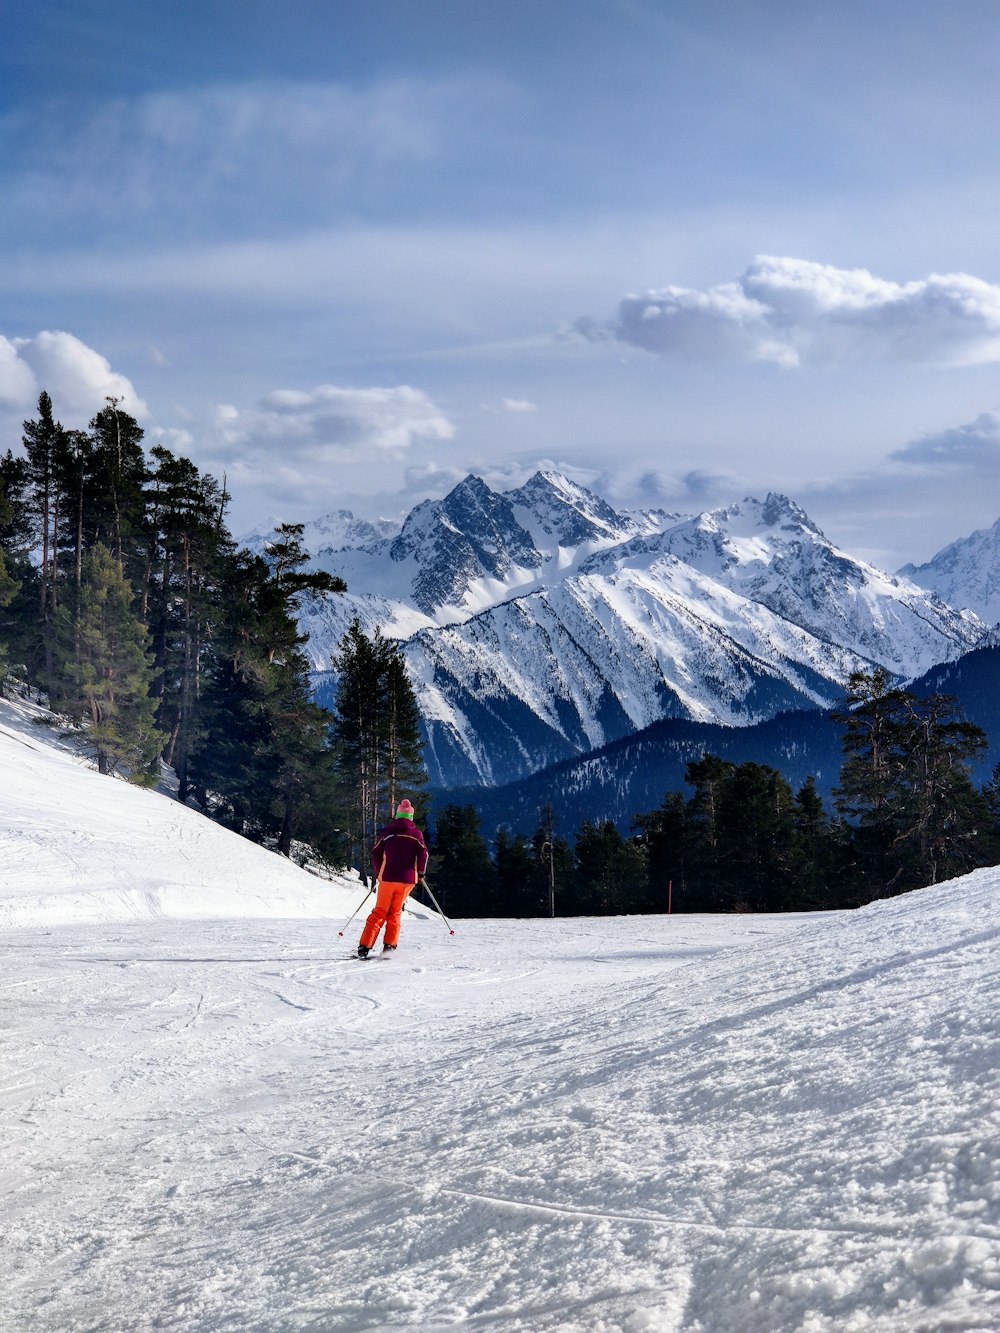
399, 858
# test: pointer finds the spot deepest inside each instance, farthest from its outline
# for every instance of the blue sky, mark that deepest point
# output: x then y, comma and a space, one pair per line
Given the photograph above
348, 252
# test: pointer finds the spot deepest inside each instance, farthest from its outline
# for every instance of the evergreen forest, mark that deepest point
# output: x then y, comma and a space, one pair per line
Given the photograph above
906, 815
175, 656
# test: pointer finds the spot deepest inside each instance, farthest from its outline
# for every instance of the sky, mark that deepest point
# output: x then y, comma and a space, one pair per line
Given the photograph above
682, 250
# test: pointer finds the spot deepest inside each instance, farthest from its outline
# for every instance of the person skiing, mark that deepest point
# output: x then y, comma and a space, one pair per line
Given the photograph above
399, 858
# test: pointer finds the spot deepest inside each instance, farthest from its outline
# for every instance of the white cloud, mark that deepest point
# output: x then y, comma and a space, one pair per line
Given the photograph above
795, 311
331, 424
518, 405
302, 450
17, 383
921, 497
177, 440
429, 479
76, 377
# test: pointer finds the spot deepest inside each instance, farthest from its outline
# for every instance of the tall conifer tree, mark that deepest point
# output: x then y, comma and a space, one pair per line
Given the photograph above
376, 736
108, 683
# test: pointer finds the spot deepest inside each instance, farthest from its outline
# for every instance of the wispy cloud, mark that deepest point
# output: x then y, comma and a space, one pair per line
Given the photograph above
513, 406
893, 511
974, 445
794, 311
259, 154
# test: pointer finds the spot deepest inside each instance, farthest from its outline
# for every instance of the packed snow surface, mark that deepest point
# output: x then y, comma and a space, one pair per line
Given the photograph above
215, 1121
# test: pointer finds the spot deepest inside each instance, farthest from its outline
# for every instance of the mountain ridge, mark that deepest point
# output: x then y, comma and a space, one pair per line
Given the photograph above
965, 573
540, 623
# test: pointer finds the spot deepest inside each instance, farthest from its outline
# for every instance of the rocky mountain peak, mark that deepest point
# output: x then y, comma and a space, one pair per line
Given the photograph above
965, 573
471, 534
777, 511
568, 511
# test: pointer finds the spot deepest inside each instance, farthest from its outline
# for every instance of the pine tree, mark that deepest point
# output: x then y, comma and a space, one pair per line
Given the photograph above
231, 766
664, 832
45, 445
465, 878
707, 776
188, 546
376, 736
755, 841
611, 871
21, 630
8, 590
114, 501
108, 684
817, 851
940, 813
77, 485
905, 786
519, 886
261, 760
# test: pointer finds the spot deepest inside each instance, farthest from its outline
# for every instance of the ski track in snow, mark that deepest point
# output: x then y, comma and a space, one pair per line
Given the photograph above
650, 1123
215, 1121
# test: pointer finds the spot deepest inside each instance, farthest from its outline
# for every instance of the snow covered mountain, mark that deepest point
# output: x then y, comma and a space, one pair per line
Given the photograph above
966, 573
540, 623
470, 551
336, 531
632, 774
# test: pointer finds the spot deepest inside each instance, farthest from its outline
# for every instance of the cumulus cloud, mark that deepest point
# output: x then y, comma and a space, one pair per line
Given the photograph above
17, 382
793, 311
76, 377
303, 449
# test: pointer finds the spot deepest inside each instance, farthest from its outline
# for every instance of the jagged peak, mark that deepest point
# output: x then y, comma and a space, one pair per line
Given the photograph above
470, 485
774, 511
548, 480
570, 509
779, 511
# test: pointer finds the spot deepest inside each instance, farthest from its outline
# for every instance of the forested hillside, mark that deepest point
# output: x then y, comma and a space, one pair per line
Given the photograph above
126, 603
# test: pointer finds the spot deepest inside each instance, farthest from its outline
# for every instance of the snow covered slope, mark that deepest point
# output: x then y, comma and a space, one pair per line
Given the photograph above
771, 1125
966, 573
773, 554
76, 846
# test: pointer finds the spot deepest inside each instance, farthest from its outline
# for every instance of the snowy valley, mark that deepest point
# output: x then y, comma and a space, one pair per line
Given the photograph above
214, 1121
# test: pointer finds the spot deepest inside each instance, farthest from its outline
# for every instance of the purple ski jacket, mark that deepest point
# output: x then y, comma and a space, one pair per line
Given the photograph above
400, 853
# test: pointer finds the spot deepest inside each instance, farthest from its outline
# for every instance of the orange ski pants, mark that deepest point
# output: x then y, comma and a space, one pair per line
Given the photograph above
388, 906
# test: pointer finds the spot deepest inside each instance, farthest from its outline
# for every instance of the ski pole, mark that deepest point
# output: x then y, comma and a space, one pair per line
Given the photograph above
439, 912
355, 912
